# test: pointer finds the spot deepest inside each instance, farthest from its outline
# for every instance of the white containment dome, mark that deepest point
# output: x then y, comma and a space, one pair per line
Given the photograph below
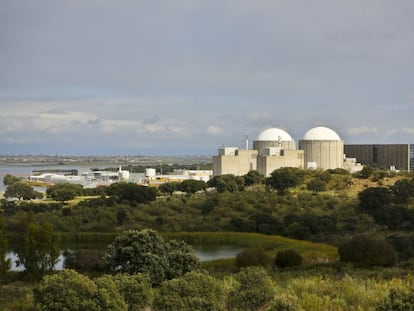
323, 148
274, 137
321, 133
274, 134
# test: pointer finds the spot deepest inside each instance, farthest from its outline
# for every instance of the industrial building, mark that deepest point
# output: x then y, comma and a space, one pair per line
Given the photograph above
274, 148
383, 156
323, 148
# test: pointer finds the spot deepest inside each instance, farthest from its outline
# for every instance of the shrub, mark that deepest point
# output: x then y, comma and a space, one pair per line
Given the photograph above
253, 291
195, 291
397, 300
252, 257
363, 251
66, 290
146, 252
135, 289
108, 295
288, 258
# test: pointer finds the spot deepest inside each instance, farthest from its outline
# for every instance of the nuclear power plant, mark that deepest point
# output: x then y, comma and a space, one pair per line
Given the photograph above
320, 148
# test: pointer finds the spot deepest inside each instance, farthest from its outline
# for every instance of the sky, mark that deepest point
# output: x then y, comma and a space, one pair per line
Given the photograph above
185, 77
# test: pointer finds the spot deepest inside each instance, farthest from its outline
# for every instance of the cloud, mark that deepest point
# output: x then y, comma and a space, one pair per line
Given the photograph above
355, 131
395, 131
215, 130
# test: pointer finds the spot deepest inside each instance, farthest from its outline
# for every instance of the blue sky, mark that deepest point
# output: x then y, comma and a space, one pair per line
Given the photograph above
183, 77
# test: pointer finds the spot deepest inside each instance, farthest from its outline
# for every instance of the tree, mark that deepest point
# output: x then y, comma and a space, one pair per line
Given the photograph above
64, 192
147, 252
40, 252
10, 179
192, 186
181, 259
366, 172
109, 297
402, 190
285, 178
132, 192
253, 291
253, 178
135, 289
21, 190
363, 251
288, 258
5, 263
67, 290
316, 185
371, 199
195, 291
227, 183
169, 187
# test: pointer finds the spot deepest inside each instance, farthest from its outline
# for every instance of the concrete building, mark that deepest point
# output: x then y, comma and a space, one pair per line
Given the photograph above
383, 156
235, 161
274, 158
323, 148
274, 148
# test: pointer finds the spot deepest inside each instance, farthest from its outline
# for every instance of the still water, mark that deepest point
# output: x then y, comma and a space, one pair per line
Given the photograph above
203, 252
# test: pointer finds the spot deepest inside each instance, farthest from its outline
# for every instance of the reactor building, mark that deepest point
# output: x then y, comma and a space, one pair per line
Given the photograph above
274, 148
323, 148
320, 148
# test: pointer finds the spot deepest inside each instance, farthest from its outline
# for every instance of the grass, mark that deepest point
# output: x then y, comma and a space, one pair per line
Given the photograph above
311, 252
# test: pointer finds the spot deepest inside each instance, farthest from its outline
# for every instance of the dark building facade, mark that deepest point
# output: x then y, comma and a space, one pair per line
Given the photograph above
384, 156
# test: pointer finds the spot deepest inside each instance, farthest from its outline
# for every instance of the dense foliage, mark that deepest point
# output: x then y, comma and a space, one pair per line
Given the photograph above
22, 191
195, 291
288, 258
381, 204
39, 251
363, 251
146, 252
64, 192
253, 290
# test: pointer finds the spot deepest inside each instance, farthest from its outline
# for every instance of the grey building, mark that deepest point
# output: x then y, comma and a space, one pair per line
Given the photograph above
383, 156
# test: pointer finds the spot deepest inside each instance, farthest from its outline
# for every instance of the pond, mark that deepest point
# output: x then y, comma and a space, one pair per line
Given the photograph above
203, 252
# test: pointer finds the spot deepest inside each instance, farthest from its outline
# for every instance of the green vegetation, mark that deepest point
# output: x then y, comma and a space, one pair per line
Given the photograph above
363, 251
5, 263
288, 258
253, 290
195, 291
10, 179
146, 252
39, 252
319, 240
64, 192
22, 191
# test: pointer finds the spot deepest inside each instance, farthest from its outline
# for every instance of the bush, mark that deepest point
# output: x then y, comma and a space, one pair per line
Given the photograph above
252, 257
253, 291
288, 258
363, 251
397, 301
108, 296
84, 260
146, 252
135, 289
195, 291
67, 290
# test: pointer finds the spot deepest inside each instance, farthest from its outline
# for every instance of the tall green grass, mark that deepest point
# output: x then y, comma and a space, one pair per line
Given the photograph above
311, 252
